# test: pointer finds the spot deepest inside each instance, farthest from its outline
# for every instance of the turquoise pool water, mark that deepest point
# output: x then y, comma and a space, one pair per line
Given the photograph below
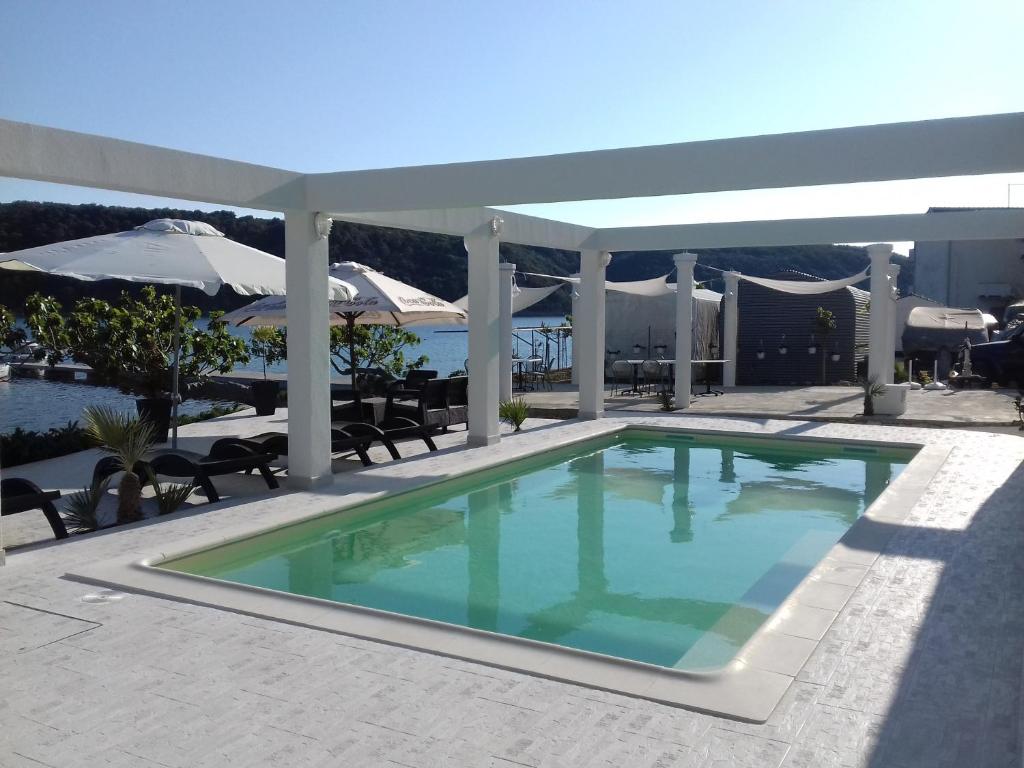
665, 549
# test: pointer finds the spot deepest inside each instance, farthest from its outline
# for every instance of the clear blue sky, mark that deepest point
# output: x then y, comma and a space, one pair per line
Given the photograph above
340, 85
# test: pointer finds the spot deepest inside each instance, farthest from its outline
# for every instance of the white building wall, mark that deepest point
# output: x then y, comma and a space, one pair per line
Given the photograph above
972, 274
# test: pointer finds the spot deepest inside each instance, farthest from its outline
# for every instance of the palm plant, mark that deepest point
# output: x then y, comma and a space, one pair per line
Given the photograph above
665, 400
872, 388
126, 438
513, 412
80, 508
173, 496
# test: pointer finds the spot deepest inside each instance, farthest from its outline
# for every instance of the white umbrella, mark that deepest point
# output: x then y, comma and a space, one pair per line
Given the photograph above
379, 300
170, 252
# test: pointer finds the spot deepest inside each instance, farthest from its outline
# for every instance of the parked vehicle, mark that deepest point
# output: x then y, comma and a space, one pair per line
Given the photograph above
1001, 362
935, 334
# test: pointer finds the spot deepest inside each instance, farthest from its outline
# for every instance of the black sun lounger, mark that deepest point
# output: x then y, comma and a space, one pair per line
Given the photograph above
21, 495
226, 457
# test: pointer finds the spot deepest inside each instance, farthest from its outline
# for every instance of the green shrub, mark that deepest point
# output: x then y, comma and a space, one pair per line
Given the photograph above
899, 375
513, 412
23, 445
80, 508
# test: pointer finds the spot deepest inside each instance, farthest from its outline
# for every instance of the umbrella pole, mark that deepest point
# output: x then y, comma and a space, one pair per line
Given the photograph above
177, 355
351, 320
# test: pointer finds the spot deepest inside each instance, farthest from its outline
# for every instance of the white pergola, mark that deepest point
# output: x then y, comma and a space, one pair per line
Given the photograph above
451, 199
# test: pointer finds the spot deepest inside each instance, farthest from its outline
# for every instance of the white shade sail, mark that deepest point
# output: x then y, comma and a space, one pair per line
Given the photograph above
379, 300
807, 288
522, 297
191, 254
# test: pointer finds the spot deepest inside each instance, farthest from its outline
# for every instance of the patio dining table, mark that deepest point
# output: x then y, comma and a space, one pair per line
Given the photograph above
520, 363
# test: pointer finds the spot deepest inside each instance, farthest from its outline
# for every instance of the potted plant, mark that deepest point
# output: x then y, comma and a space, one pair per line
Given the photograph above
269, 345
130, 345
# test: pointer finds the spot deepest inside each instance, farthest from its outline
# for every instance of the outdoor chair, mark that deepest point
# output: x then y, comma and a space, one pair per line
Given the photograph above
413, 382
541, 375
653, 372
429, 409
226, 457
622, 376
457, 398
20, 495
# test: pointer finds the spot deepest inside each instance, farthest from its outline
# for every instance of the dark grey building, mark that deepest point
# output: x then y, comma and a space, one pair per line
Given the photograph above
768, 320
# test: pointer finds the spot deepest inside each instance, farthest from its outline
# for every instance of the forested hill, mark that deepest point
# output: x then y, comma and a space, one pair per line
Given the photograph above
435, 263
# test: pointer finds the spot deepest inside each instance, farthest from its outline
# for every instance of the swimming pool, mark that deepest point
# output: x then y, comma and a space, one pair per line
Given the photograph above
577, 552
662, 549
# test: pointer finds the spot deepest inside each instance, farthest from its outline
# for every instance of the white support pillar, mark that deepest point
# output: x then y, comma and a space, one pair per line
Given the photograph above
484, 333
309, 377
505, 274
575, 345
878, 345
589, 333
730, 328
894, 275
684, 327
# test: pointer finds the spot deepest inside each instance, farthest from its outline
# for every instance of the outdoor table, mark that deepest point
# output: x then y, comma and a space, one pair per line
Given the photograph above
707, 377
519, 362
636, 377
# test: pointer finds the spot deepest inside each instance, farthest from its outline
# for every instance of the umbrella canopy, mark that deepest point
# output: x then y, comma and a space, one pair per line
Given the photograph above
169, 252
379, 300
165, 251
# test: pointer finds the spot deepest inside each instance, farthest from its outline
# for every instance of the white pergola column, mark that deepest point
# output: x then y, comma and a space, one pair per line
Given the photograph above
730, 327
505, 274
484, 333
879, 366
588, 333
894, 275
575, 346
309, 377
684, 327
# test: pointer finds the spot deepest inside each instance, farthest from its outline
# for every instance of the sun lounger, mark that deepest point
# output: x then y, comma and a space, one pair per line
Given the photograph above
20, 495
226, 457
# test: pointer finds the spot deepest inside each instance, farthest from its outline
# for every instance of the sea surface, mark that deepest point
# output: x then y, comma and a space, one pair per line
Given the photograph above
39, 404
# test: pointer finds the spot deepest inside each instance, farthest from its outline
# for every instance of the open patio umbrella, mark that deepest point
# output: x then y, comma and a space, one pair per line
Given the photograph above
169, 252
379, 300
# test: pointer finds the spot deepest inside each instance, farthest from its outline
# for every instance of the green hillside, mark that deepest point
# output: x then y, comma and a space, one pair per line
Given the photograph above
435, 263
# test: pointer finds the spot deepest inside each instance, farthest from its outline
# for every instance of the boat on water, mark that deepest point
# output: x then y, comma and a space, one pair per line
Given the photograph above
5, 371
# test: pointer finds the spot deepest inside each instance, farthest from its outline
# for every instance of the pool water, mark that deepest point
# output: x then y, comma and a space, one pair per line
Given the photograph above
668, 549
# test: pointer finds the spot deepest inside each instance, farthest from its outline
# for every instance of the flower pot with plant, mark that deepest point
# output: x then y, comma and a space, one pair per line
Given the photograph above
269, 345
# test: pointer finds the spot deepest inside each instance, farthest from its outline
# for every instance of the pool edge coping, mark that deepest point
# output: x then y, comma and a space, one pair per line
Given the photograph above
748, 688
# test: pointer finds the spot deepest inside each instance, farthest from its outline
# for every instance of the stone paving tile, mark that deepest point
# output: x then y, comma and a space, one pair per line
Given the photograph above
835, 738
922, 666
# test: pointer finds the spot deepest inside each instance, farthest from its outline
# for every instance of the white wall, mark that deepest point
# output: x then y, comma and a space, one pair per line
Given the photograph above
973, 274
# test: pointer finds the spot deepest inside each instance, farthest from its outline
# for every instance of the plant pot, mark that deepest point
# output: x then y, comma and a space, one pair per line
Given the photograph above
264, 396
157, 411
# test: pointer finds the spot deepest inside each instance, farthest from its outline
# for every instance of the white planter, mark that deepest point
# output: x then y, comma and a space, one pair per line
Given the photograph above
893, 401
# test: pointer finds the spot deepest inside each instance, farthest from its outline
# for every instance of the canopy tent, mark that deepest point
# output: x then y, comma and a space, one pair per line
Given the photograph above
174, 252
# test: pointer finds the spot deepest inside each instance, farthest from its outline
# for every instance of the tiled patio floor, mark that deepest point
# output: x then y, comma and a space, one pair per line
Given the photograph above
922, 667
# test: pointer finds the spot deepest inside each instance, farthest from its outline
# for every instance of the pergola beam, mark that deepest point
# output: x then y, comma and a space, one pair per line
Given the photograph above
84, 160
459, 222
992, 224
925, 149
